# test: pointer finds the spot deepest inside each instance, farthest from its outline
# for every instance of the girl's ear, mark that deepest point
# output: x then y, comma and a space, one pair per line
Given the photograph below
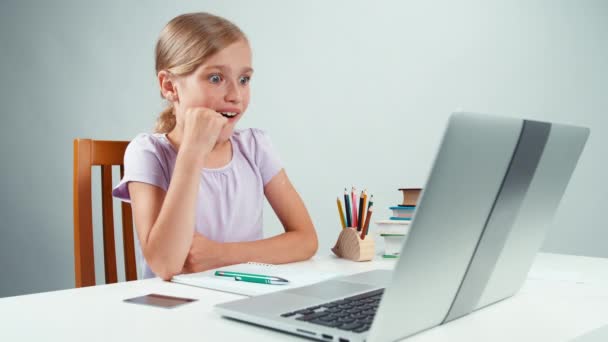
167, 85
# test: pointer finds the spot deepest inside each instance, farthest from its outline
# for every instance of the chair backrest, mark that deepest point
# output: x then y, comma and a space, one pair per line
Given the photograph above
88, 153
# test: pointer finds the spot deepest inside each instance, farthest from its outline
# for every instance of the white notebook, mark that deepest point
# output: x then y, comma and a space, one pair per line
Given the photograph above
297, 276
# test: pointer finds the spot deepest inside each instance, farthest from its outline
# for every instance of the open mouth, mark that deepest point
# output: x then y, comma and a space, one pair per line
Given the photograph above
229, 114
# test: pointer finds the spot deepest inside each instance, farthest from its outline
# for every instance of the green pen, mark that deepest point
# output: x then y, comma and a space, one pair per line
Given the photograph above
253, 278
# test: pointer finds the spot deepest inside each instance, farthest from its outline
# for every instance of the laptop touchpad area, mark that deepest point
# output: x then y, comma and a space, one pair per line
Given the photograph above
331, 289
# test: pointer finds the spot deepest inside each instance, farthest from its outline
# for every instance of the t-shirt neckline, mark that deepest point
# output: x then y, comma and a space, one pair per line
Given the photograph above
219, 169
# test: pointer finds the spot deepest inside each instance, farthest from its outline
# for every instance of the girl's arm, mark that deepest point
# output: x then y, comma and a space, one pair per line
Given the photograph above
299, 242
165, 221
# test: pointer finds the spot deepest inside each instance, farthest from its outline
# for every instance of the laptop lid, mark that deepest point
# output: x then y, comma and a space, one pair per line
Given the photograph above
493, 189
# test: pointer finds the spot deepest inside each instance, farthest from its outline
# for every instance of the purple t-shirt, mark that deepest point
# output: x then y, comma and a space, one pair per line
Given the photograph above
230, 199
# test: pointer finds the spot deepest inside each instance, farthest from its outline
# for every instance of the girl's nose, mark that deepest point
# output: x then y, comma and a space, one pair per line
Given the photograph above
233, 92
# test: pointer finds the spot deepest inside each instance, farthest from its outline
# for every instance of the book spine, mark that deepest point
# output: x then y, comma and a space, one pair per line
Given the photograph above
402, 214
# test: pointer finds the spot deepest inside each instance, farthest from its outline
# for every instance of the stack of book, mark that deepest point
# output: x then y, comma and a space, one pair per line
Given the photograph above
395, 229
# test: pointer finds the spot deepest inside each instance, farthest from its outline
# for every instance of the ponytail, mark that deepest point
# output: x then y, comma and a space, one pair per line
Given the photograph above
166, 120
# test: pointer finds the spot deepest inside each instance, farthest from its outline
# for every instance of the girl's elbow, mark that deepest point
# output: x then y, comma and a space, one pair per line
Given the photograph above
313, 249
165, 273
312, 246
163, 267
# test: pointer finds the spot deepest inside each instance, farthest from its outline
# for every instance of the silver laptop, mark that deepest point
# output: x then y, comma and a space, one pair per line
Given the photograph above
492, 192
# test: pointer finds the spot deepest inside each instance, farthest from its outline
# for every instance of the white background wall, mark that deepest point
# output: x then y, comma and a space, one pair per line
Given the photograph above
336, 82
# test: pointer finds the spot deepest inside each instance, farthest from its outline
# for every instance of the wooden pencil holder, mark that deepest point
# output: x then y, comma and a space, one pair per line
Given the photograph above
350, 246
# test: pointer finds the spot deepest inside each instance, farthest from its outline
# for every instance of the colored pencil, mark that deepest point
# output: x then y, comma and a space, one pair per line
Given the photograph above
366, 226
341, 213
370, 202
360, 218
364, 210
354, 204
347, 207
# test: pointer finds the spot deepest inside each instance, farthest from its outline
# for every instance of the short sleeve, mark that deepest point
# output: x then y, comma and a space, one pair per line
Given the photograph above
266, 157
141, 164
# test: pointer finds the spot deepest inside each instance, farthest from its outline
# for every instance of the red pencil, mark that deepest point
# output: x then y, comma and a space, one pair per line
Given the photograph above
354, 205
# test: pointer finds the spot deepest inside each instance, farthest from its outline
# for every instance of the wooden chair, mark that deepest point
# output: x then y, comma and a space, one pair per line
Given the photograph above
88, 153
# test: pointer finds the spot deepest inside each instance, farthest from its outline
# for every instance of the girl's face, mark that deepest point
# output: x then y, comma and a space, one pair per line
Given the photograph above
221, 83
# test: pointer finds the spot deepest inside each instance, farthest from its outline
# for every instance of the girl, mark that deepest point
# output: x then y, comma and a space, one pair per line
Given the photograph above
196, 186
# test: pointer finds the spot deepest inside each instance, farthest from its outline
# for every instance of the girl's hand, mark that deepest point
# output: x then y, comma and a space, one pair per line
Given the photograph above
204, 254
202, 127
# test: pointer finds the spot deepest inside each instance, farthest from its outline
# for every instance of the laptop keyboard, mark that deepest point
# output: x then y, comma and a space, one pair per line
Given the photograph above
354, 313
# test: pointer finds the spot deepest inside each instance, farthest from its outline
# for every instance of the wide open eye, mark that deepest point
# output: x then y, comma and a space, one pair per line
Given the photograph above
215, 78
244, 80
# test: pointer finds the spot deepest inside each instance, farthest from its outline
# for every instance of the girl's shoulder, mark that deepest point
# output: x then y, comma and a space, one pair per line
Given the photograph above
156, 143
251, 140
256, 146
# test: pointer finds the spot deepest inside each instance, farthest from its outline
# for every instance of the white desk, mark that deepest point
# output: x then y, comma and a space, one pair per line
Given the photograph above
564, 297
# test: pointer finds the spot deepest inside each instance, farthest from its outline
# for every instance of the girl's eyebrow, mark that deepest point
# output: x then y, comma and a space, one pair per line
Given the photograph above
223, 67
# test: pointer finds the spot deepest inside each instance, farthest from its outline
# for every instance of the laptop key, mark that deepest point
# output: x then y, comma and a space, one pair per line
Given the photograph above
312, 316
367, 320
368, 294
305, 312
329, 318
327, 324
288, 314
350, 326
346, 319
362, 328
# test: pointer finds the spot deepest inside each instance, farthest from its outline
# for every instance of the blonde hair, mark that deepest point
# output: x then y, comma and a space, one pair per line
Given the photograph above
184, 44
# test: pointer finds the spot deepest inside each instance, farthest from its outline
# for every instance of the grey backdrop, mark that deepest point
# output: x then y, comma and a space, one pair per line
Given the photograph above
352, 93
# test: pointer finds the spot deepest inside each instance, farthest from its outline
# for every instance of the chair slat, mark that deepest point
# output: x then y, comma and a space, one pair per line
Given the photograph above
84, 262
127, 237
128, 242
108, 225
